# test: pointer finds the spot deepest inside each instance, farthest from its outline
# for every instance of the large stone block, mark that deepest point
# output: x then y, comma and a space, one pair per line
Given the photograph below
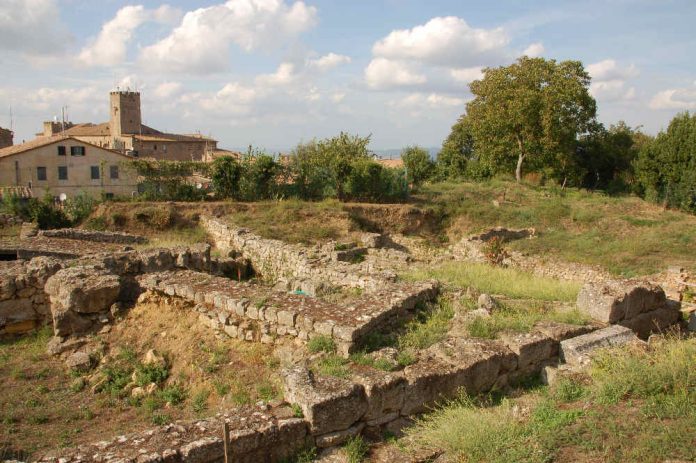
532, 349
613, 301
329, 404
655, 321
384, 391
83, 289
578, 350
156, 260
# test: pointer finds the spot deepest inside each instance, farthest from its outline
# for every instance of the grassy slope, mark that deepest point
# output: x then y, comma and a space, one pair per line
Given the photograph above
637, 406
625, 235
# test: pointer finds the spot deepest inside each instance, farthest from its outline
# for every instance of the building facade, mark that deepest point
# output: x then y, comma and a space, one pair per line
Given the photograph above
126, 133
66, 165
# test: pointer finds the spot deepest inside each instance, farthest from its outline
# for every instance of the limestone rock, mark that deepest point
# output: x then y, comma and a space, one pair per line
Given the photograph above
153, 358
578, 350
328, 404
486, 302
79, 361
692, 322
613, 301
83, 289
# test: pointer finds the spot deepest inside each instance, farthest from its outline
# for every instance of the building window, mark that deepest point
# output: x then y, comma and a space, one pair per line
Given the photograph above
62, 172
94, 172
154, 147
113, 172
77, 151
109, 195
61, 151
40, 173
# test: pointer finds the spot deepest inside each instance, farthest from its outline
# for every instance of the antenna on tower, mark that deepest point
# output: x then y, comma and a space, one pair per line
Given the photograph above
11, 120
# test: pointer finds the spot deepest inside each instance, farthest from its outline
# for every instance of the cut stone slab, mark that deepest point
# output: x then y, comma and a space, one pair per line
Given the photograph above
578, 350
656, 321
83, 289
531, 348
613, 301
328, 404
332, 439
79, 361
384, 391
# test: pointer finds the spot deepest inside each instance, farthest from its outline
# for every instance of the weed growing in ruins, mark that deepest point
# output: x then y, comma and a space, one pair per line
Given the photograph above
173, 394
266, 391
495, 251
160, 419
333, 365
151, 373
306, 455
499, 280
200, 401
356, 449
297, 411
520, 319
428, 328
321, 343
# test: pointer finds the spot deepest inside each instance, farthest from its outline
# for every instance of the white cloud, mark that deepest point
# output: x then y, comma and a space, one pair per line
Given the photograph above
201, 42
432, 100
337, 97
675, 98
328, 62
167, 90
609, 69
610, 80
32, 27
46, 99
109, 48
535, 50
382, 73
467, 75
444, 41
284, 75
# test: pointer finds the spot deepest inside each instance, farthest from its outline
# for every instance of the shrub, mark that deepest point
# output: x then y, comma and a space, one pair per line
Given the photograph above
321, 343
495, 251
226, 174
200, 401
79, 207
419, 166
356, 449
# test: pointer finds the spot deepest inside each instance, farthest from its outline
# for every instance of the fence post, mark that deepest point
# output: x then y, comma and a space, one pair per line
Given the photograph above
226, 441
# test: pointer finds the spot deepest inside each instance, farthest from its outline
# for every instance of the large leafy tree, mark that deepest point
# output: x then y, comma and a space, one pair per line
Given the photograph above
419, 166
532, 110
457, 150
666, 167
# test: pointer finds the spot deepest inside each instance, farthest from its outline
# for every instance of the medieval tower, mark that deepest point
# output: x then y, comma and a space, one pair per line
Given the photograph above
125, 113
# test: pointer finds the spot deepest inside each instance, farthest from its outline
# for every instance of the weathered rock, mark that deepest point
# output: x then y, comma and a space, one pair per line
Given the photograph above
153, 358
613, 301
532, 349
487, 303
328, 404
335, 438
692, 322
67, 322
83, 289
655, 321
372, 240
578, 350
57, 345
79, 361
384, 391
156, 260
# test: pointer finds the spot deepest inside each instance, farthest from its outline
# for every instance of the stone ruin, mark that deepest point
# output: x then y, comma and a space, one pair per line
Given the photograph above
85, 293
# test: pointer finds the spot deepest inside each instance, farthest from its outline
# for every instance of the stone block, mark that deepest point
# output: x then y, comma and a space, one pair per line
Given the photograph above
324, 327
345, 333
83, 289
692, 322
271, 314
384, 392
16, 310
203, 450
532, 349
578, 350
329, 404
231, 330
656, 321
286, 317
561, 331
252, 312
335, 438
613, 301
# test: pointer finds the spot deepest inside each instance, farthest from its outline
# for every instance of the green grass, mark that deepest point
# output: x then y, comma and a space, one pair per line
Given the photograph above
636, 405
295, 221
356, 449
172, 237
625, 235
333, 365
499, 280
521, 320
321, 343
428, 327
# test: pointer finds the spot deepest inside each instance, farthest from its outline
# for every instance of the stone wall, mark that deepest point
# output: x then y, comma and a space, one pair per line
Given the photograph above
23, 303
9, 220
256, 313
93, 235
303, 268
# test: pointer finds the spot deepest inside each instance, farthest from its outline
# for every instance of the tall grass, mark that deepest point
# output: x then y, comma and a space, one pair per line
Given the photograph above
636, 405
499, 280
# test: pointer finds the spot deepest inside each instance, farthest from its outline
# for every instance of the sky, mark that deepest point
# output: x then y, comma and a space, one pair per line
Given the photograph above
273, 73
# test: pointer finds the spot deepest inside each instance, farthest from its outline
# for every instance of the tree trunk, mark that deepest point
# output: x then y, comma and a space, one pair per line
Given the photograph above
518, 170
520, 159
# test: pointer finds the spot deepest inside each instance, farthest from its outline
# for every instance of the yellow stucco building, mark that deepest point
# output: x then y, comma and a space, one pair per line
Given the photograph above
66, 165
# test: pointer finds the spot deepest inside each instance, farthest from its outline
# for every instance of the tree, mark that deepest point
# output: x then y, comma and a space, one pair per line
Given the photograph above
533, 109
457, 150
338, 155
310, 175
225, 175
259, 175
666, 167
419, 166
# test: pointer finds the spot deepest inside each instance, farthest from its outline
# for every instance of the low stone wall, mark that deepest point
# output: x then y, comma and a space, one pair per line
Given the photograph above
256, 313
304, 268
257, 434
23, 302
93, 235
9, 220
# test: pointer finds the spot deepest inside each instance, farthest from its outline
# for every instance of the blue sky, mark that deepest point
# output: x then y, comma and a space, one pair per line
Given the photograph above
272, 73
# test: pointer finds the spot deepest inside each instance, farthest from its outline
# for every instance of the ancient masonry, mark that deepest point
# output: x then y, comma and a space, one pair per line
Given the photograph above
84, 293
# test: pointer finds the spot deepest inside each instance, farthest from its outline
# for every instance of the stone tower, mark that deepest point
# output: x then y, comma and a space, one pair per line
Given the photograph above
125, 113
